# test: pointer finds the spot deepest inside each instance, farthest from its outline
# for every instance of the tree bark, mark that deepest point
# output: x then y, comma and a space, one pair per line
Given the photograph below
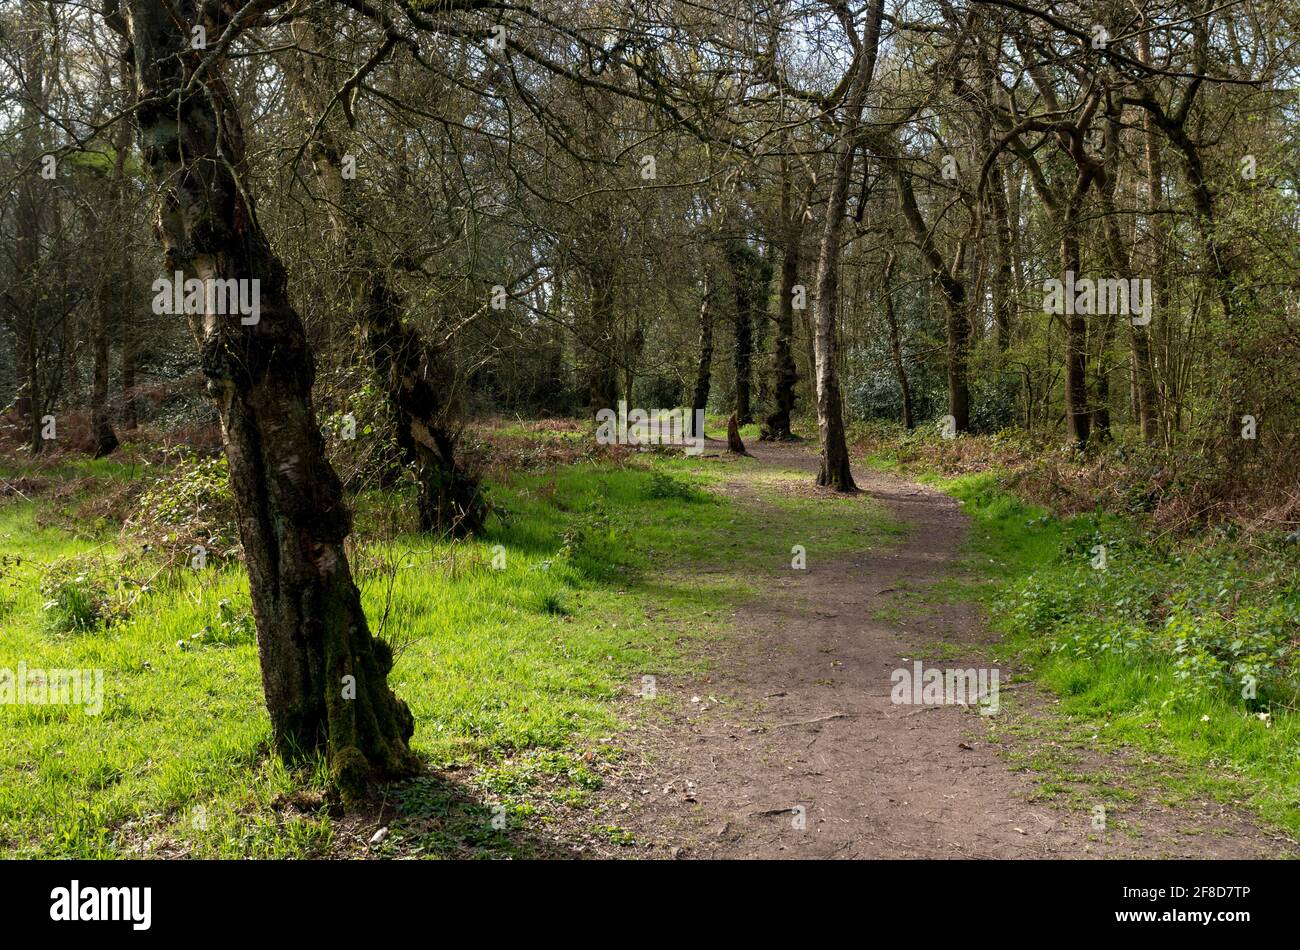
744, 280
703, 371
895, 345
785, 373
835, 469
953, 291
450, 498
734, 443
323, 673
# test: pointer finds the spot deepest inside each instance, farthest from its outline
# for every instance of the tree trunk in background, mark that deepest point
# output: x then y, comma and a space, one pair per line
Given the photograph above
127, 338
1161, 373
1223, 270
761, 322
104, 223
1121, 261
601, 378
413, 377
700, 398
1003, 301
125, 325
27, 225
734, 444
953, 291
785, 373
1162, 381
743, 282
324, 675
1101, 382
103, 438
957, 331
1078, 420
632, 352
895, 344
835, 469
450, 498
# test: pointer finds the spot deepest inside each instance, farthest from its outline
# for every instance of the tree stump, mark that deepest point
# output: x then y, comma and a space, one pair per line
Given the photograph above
733, 437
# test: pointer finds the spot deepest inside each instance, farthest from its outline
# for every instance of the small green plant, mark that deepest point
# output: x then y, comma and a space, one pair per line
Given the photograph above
190, 505
233, 627
665, 485
79, 596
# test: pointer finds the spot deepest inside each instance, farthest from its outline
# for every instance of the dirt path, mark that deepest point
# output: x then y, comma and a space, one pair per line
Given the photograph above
796, 713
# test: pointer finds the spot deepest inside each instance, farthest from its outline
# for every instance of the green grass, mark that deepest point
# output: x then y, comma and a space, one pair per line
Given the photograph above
1150, 652
522, 676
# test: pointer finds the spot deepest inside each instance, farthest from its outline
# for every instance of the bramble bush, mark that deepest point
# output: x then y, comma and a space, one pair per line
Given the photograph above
1225, 622
81, 595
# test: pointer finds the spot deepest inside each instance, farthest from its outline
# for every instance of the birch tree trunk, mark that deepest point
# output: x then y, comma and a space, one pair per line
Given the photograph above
323, 673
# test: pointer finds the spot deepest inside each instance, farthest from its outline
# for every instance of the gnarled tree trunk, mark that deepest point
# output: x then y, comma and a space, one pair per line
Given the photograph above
450, 500
325, 677
413, 377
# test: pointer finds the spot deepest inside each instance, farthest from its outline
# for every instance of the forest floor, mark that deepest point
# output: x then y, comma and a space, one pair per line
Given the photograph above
790, 745
629, 663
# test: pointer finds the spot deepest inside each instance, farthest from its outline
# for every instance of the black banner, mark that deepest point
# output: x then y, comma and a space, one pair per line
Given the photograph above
917, 900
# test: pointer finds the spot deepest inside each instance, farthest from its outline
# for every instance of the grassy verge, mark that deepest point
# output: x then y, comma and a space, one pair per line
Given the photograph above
1183, 649
519, 653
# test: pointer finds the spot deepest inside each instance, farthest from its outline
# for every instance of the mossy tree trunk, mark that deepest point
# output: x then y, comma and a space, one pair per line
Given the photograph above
750, 275
785, 374
451, 500
324, 675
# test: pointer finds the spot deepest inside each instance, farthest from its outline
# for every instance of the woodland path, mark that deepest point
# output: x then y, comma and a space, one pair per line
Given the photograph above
795, 711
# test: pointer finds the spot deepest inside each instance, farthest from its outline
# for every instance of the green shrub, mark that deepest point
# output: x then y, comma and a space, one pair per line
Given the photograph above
190, 505
81, 595
233, 627
1225, 625
665, 485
